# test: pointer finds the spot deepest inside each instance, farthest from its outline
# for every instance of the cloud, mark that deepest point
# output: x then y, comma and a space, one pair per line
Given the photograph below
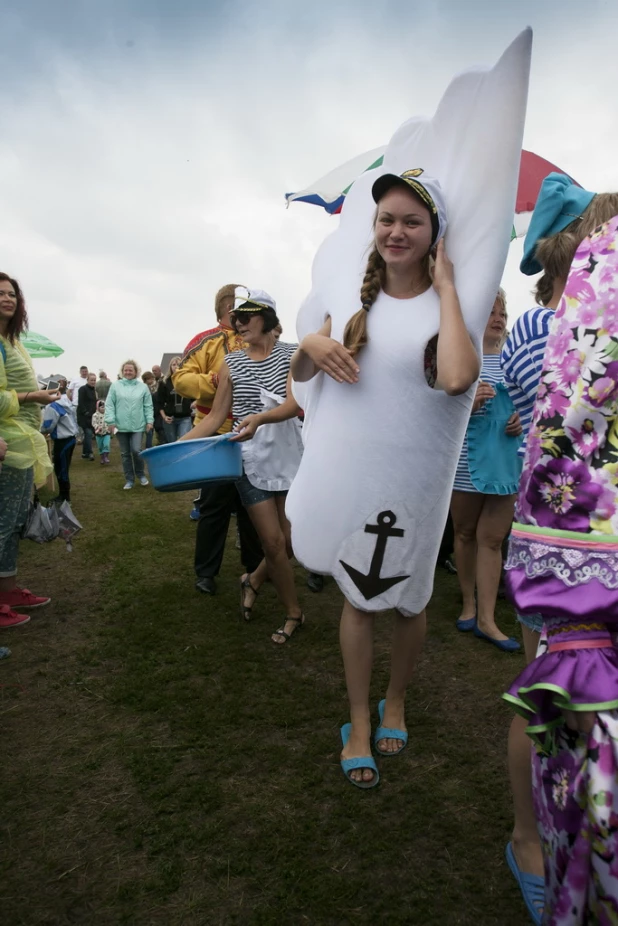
147, 146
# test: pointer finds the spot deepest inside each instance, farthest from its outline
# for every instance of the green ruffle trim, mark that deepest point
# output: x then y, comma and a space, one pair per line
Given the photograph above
561, 700
567, 535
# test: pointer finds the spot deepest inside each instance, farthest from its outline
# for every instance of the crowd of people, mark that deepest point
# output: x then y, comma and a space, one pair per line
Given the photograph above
239, 375
519, 451
41, 427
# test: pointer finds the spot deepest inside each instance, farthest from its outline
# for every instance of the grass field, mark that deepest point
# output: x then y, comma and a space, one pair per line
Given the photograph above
165, 764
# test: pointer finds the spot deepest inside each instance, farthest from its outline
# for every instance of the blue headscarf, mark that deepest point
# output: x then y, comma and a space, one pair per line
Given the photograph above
560, 201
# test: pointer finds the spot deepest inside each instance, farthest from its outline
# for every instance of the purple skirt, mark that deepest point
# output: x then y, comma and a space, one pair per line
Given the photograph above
576, 806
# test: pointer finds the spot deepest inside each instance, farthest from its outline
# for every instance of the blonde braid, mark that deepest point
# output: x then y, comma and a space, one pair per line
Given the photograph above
355, 334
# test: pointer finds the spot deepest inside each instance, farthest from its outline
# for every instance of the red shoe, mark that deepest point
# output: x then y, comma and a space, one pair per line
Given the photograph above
10, 618
22, 598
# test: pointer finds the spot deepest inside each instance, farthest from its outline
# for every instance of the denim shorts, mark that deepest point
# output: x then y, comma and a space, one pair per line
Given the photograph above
250, 495
531, 621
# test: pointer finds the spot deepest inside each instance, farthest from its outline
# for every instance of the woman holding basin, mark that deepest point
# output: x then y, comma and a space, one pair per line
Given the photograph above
254, 384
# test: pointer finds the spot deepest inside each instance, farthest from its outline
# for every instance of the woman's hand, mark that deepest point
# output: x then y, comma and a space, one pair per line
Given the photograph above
331, 357
39, 397
47, 397
484, 392
149, 427
247, 427
513, 426
167, 419
443, 275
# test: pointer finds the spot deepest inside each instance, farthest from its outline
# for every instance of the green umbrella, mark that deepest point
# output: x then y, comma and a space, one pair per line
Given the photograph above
39, 346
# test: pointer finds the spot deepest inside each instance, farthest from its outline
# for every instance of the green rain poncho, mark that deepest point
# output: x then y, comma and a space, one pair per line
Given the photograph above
19, 424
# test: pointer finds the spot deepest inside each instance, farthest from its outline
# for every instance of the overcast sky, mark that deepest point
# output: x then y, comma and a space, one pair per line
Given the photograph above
147, 145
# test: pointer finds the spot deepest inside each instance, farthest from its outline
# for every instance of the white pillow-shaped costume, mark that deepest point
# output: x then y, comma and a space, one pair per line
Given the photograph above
370, 499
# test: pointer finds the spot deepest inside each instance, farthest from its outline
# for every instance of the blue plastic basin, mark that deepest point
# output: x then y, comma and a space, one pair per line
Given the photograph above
188, 464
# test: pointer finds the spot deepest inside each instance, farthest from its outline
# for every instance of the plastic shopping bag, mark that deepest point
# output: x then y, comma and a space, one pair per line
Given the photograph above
69, 525
43, 523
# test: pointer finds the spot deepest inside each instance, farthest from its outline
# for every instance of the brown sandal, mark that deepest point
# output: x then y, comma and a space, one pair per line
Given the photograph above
299, 621
245, 585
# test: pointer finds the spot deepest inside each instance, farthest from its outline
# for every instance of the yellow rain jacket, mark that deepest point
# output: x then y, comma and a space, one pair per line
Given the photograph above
197, 377
20, 424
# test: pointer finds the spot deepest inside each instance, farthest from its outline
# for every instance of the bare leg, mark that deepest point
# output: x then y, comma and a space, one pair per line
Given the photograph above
465, 510
356, 640
260, 575
7, 584
257, 579
286, 530
408, 639
286, 527
265, 517
526, 843
493, 526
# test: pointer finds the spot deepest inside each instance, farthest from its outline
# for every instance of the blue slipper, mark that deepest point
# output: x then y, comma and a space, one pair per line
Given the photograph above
383, 733
465, 625
349, 765
507, 646
531, 886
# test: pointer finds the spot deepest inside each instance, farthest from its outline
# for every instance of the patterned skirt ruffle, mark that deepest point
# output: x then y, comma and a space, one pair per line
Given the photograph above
577, 670
576, 805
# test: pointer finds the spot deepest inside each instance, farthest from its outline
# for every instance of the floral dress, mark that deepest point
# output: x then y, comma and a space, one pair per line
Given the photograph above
563, 562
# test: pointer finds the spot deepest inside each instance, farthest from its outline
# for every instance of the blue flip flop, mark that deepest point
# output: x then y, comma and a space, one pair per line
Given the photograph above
388, 733
349, 765
531, 886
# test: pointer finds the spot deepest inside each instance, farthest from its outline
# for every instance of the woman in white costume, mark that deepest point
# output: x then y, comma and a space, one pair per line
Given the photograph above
371, 497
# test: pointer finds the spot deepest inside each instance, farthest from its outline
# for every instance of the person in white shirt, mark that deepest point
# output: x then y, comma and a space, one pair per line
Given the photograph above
73, 392
76, 384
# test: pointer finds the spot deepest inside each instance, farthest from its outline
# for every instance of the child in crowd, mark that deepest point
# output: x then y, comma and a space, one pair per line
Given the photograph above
102, 432
60, 422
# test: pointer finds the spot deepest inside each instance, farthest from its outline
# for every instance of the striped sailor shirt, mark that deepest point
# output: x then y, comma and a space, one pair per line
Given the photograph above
522, 361
249, 377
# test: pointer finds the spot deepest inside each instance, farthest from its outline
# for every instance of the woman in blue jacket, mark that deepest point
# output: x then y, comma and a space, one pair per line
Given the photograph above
129, 410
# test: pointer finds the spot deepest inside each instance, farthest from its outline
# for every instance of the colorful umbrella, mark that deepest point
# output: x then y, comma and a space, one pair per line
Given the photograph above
532, 172
330, 191
39, 346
